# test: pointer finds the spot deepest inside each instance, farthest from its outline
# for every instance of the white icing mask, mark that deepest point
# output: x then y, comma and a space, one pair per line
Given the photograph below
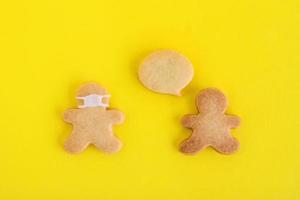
93, 100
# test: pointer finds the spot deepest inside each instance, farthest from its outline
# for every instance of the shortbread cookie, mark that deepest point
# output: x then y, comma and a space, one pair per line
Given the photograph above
211, 127
166, 72
92, 122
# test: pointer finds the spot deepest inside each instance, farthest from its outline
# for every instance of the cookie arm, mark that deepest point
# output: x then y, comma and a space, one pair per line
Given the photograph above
116, 116
188, 121
233, 121
70, 115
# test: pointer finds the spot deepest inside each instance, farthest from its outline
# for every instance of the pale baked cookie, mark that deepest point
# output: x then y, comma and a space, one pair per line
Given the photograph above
166, 72
211, 127
92, 122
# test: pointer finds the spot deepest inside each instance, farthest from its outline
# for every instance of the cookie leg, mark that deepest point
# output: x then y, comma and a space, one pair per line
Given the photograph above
109, 144
192, 145
227, 146
75, 143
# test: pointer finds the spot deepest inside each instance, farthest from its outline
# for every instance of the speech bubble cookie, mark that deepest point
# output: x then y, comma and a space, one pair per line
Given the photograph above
166, 72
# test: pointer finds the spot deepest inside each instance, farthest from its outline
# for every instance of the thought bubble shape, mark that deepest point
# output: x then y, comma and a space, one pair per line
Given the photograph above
166, 72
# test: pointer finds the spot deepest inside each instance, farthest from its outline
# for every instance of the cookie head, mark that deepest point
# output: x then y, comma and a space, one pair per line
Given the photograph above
92, 95
211, 101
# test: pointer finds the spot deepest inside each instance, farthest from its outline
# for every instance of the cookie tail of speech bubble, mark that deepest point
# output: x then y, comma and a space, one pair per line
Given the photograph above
166, 72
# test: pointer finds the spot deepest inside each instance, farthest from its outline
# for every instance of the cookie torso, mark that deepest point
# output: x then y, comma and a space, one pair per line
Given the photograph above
90, 121
211, 127
93, 126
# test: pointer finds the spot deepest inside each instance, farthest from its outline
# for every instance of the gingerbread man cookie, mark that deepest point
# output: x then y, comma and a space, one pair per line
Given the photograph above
92, 122
211, 127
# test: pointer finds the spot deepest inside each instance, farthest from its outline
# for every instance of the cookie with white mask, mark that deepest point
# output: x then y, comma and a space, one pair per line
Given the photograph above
92, 121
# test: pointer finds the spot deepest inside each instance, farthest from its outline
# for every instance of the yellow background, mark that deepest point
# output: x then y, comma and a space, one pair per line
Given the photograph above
249, 49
